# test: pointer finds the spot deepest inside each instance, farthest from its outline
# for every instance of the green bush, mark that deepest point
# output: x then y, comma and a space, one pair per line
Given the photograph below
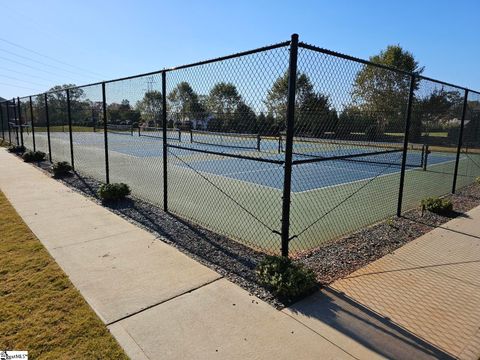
16, 149
437, 205
61, 169
113, 192
284, 278
32, 156
478, 180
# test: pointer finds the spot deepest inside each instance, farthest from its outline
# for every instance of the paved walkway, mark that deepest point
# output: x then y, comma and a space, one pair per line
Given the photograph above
160, 304
429, 287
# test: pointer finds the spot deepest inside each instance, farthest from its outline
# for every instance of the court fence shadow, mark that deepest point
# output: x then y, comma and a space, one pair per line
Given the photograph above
375, 332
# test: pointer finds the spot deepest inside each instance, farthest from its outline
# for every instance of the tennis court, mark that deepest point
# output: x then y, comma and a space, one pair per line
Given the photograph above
232, 172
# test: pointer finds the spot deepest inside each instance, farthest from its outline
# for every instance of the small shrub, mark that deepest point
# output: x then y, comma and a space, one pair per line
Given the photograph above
477, 180
61, 169
113, 192
16, 149
32, 156
437, 205
284, 278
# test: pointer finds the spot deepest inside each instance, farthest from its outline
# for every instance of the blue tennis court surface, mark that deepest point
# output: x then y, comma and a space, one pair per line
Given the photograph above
305, 177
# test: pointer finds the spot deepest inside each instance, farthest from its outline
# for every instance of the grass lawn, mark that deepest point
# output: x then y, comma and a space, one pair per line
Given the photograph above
40, 310
60, 128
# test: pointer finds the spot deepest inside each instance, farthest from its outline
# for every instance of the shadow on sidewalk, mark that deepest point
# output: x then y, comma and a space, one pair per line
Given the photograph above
366, 327
226, 256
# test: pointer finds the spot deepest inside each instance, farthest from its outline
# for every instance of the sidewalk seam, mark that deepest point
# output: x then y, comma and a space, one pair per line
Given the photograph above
163, 301
316, 332
90, 240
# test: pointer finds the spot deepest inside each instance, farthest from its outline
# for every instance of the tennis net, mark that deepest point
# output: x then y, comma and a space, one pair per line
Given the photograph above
156, 132
233, 140
120, 129
307, 149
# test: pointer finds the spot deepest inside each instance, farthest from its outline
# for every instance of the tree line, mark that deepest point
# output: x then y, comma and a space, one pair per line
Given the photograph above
371, 105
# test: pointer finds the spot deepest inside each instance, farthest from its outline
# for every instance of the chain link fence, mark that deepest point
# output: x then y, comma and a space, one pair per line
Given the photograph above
281, 148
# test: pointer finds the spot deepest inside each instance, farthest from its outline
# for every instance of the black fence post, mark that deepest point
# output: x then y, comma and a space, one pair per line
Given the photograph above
19, 106
69, 117
105, 135
405, 144
287, 181
460, 141
32, 124
15, 120
165, 145
1, 121
7, 105
47, 120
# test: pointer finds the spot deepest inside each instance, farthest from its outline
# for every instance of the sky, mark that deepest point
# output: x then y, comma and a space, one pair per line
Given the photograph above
50, 42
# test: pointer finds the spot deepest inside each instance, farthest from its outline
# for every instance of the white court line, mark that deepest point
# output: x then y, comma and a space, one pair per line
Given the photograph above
366, 179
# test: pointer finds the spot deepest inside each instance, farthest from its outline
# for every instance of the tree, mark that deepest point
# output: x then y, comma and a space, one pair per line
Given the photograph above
244, 119
57, 102
222, 102
383, 92
314, 113
150, 108
185, 104
439, 110
123, 113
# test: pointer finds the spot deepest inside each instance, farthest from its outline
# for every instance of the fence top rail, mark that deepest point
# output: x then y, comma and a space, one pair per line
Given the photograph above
232, 56
253, 51
370, 63
204, 62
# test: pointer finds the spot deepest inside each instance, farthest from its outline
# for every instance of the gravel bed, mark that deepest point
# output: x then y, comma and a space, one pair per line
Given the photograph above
237, 262
341, 257
229, 258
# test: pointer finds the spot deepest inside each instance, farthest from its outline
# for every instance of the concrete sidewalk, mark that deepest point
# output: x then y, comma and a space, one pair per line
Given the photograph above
160, 304
156, 301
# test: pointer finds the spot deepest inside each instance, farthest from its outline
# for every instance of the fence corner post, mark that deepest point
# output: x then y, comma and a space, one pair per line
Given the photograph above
408, 117
460, 141
290, 127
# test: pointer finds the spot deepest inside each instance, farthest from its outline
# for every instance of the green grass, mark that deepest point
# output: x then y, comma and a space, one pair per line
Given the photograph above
442, 134
41, 311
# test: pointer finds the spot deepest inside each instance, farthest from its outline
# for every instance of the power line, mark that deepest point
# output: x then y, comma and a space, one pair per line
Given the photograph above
50, 58
19, 86
29, 66
22, 73
26, 81
44, 64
